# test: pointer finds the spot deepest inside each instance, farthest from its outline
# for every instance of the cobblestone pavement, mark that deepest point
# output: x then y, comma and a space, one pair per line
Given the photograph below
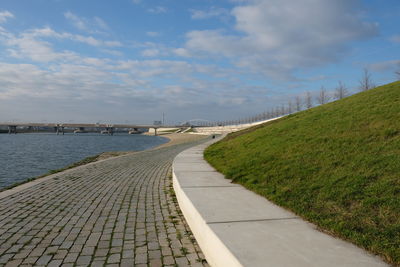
119, 212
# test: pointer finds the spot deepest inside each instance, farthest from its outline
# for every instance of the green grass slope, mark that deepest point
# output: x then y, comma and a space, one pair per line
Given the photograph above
336, 165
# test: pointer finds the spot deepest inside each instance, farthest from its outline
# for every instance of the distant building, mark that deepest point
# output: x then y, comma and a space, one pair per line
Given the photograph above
157, 123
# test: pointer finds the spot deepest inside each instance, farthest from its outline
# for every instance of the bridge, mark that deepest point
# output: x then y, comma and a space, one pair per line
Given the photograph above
80, 127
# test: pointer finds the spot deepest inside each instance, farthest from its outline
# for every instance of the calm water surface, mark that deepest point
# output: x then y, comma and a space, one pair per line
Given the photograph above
23, 156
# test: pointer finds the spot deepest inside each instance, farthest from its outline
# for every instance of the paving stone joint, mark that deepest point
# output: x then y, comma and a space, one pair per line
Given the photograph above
119, 212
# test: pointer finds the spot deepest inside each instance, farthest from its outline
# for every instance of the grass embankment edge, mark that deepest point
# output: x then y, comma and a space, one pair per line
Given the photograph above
336, 165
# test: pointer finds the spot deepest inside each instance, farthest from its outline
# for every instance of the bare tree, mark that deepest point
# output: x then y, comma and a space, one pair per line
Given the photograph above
308, 99
366, 81
340, 91
277, 112
283, 110
298, 103
290, 107
322, 98
398, 73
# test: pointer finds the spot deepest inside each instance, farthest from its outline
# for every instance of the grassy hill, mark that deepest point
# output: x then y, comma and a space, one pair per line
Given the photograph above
336, 165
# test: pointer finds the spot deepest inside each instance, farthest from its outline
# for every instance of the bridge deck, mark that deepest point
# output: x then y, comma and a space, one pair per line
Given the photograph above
89, 125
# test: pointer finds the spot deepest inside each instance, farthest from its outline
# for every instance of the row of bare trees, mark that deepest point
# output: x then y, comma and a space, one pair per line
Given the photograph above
298, 104
307, 101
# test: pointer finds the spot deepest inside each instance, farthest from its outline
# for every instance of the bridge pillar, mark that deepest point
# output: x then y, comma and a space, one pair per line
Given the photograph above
110, 130
79, 130
133, 131
155, 131
59, 128
12, 129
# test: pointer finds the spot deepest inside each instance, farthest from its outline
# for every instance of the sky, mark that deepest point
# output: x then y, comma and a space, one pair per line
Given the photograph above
130, 61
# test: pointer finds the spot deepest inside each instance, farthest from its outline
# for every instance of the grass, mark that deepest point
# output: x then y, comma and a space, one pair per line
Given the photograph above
184, 251
336, 165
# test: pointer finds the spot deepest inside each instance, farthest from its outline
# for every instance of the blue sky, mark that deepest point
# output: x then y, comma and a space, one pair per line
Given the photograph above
129, 61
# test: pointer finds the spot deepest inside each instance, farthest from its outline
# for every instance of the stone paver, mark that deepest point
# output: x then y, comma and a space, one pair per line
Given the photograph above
121, 212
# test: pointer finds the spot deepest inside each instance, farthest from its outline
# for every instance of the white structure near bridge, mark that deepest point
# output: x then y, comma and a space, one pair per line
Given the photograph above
227, 128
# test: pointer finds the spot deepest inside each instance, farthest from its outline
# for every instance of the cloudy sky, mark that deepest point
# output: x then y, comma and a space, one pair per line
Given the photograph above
129, 61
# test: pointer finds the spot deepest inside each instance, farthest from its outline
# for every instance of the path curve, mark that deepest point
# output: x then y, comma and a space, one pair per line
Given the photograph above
121, 212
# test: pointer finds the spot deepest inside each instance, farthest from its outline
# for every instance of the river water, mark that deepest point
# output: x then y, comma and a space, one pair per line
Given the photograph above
23, 156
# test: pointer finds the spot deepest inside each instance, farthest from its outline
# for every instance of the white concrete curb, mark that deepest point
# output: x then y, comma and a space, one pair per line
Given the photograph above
235, 227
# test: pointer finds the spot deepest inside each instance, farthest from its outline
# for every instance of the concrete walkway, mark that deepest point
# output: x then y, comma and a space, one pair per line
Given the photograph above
235, 227
117, 212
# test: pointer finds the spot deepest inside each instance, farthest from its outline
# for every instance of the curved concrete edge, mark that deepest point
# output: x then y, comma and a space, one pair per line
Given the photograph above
215, 251
235, 227
213, 248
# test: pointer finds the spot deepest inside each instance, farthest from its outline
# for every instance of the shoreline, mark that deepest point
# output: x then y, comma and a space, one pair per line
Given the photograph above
122, 211
173, 139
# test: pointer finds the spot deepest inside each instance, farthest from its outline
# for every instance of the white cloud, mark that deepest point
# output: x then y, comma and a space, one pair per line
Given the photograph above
27, 46
385, 66
153, 34
5, 15
275, 37
35, 44
91, 84
150, 52
112, 52
86, 39
136, 1
100, 23
152, 49
395, 39
113, 43
55, 75
157, 10
216, 43
102, 81
94, 25
61, 81
260, 41
76, 21
210, 13
182, 52
89, 40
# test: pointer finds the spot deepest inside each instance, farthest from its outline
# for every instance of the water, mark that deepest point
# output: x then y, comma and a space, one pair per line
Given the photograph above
23, 156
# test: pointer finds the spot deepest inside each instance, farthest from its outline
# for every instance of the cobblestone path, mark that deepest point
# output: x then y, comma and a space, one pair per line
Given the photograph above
119, 212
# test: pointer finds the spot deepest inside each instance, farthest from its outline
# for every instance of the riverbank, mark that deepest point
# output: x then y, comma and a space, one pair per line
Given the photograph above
119, 211
173, 139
